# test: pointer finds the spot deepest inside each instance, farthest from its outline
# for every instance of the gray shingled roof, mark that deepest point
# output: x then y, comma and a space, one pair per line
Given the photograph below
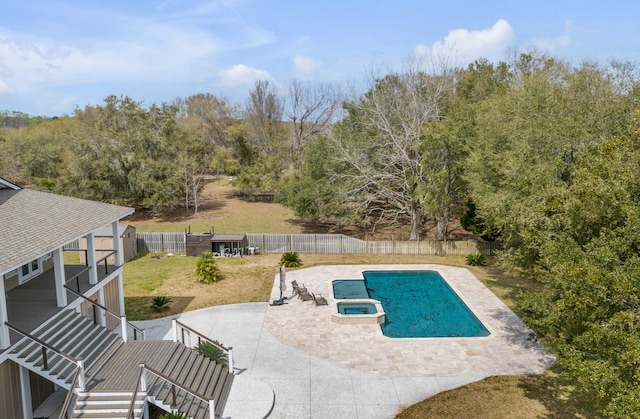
34, 223
107, 231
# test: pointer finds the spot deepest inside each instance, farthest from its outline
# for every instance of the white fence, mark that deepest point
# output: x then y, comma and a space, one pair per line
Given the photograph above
324, 244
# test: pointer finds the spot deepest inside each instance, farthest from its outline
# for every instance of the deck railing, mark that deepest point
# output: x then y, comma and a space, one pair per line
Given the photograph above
66, 412
45, 359
142, 387
122, 319
77, 276
181, 331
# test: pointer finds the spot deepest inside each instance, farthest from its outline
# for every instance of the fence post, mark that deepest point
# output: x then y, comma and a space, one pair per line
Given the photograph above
212, 409
230, 359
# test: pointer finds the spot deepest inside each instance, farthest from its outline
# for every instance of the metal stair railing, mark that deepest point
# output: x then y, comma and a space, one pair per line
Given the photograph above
180, 337
45, 346
69, 401
142, 386
122, 319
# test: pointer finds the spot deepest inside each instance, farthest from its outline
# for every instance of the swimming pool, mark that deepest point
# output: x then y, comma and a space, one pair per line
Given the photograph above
416, 304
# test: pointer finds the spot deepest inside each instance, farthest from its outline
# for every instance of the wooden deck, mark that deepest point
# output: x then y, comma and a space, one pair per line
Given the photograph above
34, 302
121, 372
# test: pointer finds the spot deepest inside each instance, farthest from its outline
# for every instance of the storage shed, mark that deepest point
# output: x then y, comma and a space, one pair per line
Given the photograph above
103, 242
220, 244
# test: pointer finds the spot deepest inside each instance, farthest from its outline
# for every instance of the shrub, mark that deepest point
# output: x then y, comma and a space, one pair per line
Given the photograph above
174, 415
207, 270
290, 260
160, 303
213, 352
476, 259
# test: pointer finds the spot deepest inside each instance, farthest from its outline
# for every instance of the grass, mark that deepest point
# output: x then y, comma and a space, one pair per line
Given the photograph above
249, 279
506, 397
221, 211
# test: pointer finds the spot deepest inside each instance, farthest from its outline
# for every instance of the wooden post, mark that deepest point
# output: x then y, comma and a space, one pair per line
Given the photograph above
81, 380
123, 327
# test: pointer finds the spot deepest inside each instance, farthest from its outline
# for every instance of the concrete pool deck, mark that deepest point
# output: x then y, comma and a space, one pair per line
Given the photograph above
292, 361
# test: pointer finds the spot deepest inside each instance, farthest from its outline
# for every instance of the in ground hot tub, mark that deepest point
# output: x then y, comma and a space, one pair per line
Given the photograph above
365, 311
356, 308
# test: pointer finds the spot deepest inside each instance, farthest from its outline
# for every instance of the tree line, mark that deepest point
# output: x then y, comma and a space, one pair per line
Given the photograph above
542, 153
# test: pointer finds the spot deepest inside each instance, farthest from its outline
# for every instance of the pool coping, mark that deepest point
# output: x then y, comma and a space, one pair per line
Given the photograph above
381, 309
507, 350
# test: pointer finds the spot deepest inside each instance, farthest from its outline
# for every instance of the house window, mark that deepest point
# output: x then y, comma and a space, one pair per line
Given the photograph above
29, 270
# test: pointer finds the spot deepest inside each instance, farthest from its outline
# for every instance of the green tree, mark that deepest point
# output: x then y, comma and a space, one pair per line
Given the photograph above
314, 190
129, 155
590, 311
525, 142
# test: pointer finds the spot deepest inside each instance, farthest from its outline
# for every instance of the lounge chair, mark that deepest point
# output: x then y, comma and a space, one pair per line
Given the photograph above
319, 300
304, 295
296, 288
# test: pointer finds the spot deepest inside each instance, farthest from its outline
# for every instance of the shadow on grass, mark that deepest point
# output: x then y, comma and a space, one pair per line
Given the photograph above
558, 394
139, 308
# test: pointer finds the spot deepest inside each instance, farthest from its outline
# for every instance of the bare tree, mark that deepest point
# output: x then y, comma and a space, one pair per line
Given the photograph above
380, 140
311, 109
264, 110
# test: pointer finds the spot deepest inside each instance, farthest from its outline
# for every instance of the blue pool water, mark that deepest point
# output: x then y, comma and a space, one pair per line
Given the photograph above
356, 308
417, 304
346, 289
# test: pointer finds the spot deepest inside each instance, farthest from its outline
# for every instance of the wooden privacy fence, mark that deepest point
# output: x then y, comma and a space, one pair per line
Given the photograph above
160, 242
325, 244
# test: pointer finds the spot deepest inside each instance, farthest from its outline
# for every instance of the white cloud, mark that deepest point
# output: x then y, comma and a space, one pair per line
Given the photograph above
158, 53
553, 44
305, 67
465, 46
124, 48
241, 75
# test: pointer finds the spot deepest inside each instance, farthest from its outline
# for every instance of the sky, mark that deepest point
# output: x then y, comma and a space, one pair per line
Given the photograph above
56, 55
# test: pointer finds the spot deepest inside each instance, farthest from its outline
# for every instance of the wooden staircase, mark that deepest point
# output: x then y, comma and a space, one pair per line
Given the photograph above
108, 405
196, 373
176, 376
72, 334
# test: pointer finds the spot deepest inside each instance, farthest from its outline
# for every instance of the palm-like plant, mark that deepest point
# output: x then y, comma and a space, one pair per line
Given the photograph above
174, 415
207, 270
476, 259
160, 303
212, 351
290, 260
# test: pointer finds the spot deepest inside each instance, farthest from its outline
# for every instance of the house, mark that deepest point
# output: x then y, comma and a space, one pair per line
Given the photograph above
103, 239
63, 326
